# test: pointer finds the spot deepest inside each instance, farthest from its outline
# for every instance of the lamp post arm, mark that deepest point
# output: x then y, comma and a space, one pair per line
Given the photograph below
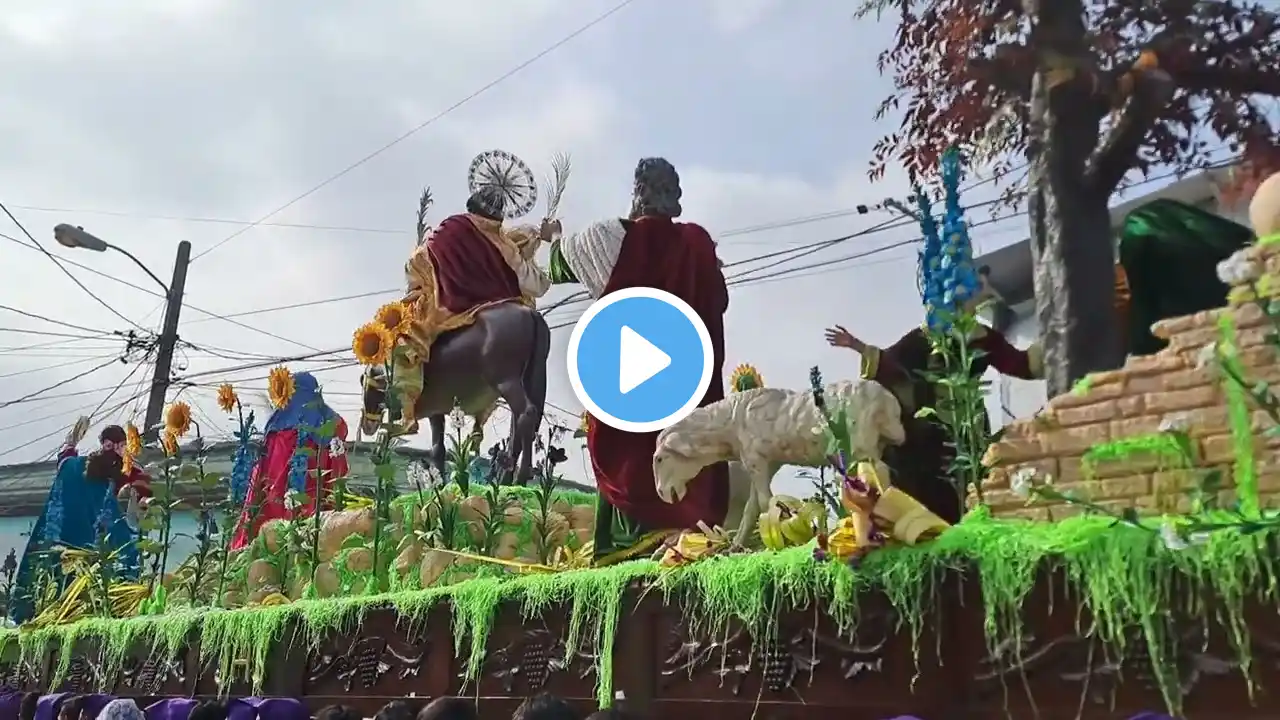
138, 262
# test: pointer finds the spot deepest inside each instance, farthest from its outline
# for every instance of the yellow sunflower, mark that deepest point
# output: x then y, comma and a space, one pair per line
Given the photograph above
227, 397
169, 441
745, 377
280, 386
394, 316
132, 440
372, 344
177, 419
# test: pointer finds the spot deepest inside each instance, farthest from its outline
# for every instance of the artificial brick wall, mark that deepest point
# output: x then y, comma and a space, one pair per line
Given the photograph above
1133, 402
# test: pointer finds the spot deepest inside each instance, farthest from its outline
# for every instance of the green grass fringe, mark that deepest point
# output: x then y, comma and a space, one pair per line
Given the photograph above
1126, 579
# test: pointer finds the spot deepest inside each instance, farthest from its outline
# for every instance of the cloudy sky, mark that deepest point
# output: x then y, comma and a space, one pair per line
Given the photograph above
154, 121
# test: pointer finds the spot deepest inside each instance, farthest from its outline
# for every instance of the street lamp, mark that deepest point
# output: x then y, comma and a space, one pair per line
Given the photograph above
77, 237
73, 236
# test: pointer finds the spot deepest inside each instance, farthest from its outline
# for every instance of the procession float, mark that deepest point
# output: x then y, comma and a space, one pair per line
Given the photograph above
1113, 555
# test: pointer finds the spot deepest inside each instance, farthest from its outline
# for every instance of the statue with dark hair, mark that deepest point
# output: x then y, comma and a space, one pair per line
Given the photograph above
82, 510
474, 336
649, 248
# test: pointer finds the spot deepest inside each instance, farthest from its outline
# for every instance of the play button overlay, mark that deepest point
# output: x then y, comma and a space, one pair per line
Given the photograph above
640, 360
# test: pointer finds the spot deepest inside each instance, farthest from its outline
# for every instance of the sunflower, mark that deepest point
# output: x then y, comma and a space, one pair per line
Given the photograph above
227, 397
169, 441
394, 316
745, 377
132, 440
280, 386
372, 344
177, 419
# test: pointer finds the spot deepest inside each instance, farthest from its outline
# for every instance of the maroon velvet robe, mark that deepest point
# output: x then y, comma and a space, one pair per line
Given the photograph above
470, 272
679, 258
921, 465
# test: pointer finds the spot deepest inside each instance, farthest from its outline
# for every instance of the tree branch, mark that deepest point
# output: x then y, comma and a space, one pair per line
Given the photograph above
1237, 80
1152, 91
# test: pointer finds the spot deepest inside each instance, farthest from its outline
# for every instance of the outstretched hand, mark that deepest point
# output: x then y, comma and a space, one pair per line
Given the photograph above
837, 336
78, 431
550, 230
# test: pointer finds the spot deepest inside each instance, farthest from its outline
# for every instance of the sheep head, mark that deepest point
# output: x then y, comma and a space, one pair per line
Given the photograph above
675, 463
879, 418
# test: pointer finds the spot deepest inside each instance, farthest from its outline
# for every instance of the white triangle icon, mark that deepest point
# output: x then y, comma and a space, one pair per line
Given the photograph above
640, 360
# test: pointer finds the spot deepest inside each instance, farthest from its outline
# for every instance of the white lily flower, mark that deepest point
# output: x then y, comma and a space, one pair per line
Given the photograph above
1172, 540
1022, 481
1207, 356
1237, 270
1176, 422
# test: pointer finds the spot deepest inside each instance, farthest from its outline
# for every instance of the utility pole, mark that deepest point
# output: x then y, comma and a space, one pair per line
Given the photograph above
167, 341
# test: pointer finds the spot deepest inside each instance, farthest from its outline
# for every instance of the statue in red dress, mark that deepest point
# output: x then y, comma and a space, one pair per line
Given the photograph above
305, 422
921, 465
650, 249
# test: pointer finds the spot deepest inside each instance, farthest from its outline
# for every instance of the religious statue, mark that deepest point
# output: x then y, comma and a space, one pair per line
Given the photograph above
650, 248
303, 452
83, 511
472, 335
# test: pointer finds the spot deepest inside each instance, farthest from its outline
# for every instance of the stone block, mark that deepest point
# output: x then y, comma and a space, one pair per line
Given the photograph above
1097, 413
1073, 441
1130, 406
1087, 397
1182, 400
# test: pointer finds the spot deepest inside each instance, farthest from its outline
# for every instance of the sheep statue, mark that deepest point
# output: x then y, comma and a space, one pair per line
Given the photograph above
766, 428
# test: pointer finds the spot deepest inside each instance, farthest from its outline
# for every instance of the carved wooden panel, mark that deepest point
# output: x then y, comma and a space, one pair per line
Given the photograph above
806, 659
151, 675
527, 657
17, 676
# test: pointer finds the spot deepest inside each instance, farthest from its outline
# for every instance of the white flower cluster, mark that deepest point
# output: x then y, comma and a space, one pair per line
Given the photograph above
424, 476
1023, 481
1237, 270
1174, 540
1175, 423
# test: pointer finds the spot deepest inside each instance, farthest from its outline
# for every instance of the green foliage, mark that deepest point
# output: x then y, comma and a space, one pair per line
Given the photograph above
960, 400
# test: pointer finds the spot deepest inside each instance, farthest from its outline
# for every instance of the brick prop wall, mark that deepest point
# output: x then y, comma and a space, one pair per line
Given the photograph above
1133, 402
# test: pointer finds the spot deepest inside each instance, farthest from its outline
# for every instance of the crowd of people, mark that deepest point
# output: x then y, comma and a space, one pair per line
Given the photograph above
68, 706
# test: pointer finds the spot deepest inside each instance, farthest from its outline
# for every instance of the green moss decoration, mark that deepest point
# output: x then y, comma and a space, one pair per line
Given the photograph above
1125, 576
1082, 386
1240, 419
1170, 449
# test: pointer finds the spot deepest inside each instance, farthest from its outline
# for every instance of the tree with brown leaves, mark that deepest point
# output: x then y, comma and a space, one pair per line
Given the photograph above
1085, 91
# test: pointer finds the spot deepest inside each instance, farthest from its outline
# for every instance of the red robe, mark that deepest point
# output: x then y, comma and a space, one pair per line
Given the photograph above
272, 473
921, 465
470, 272
679, 258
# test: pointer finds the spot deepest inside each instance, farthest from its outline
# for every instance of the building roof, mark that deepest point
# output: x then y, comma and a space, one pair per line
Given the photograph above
1012, 268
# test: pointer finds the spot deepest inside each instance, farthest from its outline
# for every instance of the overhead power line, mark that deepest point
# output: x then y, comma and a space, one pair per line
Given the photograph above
60, 383
210, 220
76, 280
415, 130
52, 321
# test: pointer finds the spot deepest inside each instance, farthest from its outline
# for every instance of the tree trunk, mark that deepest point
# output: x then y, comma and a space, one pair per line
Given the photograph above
1072, 247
